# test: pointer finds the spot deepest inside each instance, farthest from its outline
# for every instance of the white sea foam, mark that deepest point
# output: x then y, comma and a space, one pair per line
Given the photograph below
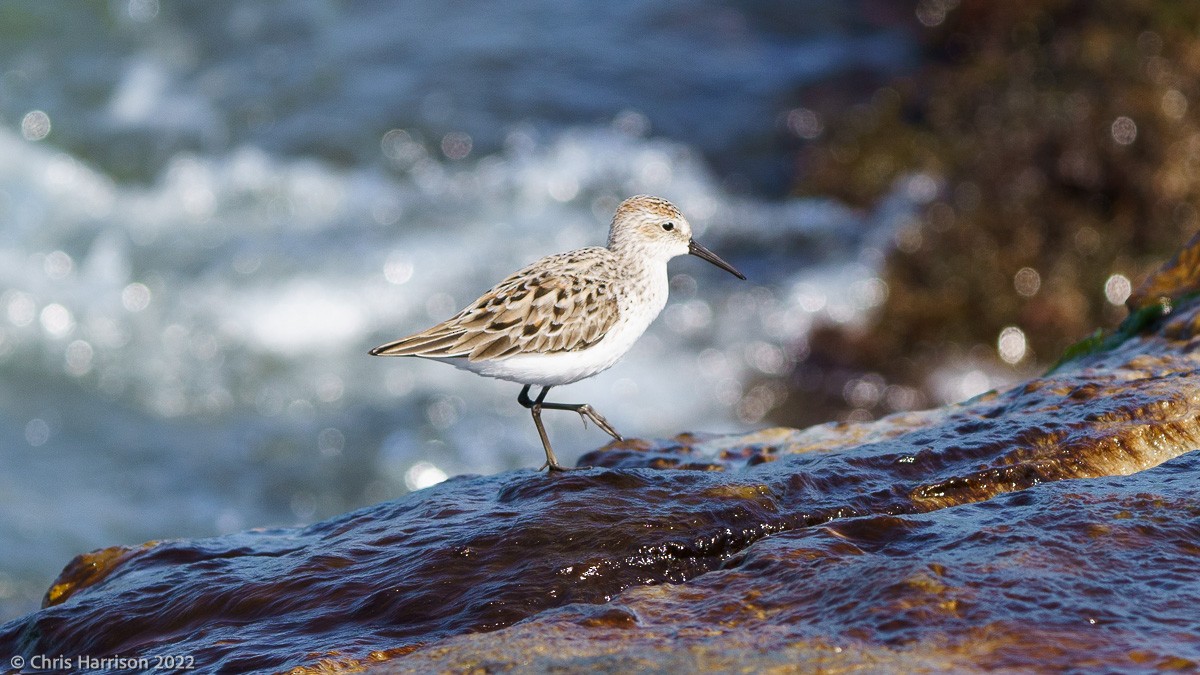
240, 274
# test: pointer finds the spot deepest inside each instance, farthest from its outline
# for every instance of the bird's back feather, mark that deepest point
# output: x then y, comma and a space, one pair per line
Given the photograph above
562, 303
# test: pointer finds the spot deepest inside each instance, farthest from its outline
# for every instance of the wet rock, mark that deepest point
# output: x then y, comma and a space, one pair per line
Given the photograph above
831, 547
1083, 575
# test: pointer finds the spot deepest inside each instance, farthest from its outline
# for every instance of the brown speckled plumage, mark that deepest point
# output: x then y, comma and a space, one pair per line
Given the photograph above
561, 303
569, 316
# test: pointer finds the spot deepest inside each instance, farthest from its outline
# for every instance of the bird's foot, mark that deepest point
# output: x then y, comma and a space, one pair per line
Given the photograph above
588, 412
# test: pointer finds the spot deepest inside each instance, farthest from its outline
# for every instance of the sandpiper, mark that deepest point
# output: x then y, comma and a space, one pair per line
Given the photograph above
569, 316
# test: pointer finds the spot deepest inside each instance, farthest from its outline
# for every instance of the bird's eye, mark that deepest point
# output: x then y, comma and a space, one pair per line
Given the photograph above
668, 226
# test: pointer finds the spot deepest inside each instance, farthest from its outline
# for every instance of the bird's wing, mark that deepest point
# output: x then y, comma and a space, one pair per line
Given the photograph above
551, 306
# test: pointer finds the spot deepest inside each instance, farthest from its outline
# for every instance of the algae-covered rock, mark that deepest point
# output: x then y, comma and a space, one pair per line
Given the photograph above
834, 547
1064, 136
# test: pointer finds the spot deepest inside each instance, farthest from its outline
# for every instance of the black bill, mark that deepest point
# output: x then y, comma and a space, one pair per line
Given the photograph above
701, 252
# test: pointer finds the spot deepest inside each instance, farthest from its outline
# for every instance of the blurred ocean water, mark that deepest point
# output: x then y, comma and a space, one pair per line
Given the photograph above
208, 215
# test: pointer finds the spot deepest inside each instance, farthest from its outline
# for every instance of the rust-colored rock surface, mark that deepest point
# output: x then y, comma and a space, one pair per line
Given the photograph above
950, 539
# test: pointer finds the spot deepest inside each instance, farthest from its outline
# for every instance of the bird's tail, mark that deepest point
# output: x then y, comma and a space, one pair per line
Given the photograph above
421, 344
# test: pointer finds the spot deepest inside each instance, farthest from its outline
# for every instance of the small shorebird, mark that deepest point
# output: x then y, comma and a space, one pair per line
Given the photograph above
569, 316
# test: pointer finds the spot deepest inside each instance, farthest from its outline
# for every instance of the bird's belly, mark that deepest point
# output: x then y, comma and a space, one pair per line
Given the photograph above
558, 368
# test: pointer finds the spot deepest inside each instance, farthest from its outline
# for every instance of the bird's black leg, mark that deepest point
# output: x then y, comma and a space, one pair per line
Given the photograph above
535, 407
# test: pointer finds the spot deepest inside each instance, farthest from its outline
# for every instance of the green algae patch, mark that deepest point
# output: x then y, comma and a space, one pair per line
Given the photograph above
1104, 341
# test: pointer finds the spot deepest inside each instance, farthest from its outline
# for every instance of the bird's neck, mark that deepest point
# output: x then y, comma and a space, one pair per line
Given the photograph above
638, 258
641, 268
630, 246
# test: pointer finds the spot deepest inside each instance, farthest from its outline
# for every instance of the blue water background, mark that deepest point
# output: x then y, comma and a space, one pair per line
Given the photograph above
210, 211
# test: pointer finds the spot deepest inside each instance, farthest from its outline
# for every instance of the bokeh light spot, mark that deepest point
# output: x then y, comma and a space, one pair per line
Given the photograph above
330, 442
330, 388
973, 383
932, 13
56, 320
1027, 281
79, 358
1012, 345
864, 392
1174, 104
402, 148
869, 293
1124, 130
35, 125
563, 188
422, 475
921, 188
37, 432
21, 308
398, 268
1117, 289
442, 413
456, 145
632, 123
304, 505
57, 265
805, 123
143, 10
135, 297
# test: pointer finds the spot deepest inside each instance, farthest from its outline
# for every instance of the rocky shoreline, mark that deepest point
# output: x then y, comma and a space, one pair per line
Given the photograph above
831, 547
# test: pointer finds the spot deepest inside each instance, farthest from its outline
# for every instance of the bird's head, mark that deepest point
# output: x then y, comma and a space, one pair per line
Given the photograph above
655, 228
